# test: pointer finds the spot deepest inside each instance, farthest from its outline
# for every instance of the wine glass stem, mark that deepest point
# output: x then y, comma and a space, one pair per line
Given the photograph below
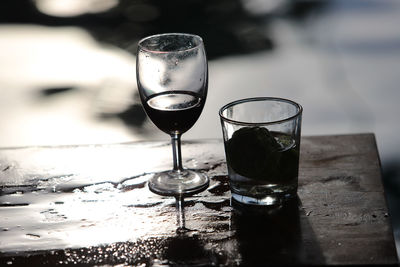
176, 150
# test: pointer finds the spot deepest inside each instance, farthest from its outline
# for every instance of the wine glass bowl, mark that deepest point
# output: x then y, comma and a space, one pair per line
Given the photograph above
172, 79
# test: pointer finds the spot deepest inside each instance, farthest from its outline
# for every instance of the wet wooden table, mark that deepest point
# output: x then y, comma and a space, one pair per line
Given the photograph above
90, 205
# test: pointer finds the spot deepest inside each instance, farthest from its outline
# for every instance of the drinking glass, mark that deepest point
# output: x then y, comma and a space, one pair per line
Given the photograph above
262, 145
172, 78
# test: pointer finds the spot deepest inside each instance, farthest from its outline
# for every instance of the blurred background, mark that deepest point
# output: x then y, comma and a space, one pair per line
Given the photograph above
67, 68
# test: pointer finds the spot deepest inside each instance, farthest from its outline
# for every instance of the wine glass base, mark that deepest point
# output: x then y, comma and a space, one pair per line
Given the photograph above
178, 183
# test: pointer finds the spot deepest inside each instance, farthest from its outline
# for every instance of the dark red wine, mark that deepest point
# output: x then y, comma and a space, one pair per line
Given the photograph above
174, 111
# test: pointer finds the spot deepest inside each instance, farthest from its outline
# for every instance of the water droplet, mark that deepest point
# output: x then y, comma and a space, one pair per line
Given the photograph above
33, 236
6, 168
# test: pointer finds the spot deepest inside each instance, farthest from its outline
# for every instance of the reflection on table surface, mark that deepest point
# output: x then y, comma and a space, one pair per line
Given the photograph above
75, 213
91, 205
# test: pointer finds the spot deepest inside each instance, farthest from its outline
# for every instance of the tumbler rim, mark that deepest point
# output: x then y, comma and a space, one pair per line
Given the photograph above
252, 99
140, 46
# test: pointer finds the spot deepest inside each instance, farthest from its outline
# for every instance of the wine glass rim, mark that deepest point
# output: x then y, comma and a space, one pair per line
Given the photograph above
171, 34
253, 99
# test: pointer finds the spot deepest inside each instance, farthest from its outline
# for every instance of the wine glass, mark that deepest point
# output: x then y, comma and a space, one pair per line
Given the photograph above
172, 78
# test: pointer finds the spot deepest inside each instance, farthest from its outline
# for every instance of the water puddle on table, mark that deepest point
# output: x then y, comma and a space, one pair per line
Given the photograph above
53, 222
